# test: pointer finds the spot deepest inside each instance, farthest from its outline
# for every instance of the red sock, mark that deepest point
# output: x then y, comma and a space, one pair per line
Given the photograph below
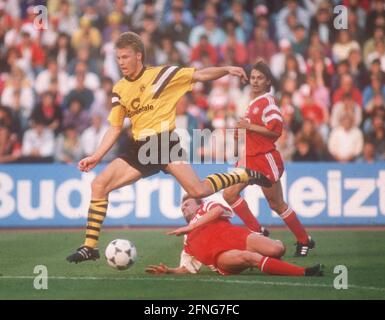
241, 208
279, 267
295, 226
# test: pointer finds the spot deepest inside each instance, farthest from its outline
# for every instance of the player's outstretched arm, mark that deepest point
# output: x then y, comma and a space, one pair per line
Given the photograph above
211, 215
213, 73
163, 269
108, 141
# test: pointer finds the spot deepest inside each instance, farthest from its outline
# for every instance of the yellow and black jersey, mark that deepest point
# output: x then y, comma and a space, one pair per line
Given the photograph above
149, 100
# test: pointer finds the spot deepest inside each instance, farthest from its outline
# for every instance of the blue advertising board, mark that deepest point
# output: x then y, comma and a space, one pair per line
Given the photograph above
58, 195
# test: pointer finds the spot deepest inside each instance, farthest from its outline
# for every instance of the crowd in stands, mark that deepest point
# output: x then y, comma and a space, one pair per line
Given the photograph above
56, 79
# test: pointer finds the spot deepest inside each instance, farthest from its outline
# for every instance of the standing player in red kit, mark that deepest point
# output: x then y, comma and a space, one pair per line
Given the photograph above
211, 239
263, 124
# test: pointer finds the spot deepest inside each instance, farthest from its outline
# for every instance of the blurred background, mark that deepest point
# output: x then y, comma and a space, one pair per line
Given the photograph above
55, 82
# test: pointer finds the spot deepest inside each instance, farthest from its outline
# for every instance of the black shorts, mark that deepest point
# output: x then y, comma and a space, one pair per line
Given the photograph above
153, 154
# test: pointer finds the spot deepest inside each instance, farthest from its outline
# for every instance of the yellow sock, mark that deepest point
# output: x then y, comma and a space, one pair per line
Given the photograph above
96, 215
221, 181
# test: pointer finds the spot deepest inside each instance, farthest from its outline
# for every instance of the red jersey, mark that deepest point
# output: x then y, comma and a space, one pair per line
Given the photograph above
263, 111
204, 244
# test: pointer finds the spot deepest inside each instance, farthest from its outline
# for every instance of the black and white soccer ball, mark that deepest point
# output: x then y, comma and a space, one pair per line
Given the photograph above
121, 254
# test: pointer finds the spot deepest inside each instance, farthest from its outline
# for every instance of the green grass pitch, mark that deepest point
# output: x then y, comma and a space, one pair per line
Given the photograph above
362, 252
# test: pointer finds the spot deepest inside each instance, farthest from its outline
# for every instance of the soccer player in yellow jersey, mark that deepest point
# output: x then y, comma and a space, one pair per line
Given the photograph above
147, 96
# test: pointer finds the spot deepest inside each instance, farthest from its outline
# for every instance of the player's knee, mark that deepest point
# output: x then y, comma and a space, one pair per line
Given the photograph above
197, 193
247, 259
98, 185
277, 206
229, 196
279, 249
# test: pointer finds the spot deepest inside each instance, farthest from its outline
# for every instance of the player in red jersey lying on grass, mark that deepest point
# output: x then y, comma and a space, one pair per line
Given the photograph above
212, 240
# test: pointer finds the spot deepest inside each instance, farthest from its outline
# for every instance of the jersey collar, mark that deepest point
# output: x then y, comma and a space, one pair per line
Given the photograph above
137, 77
259, 97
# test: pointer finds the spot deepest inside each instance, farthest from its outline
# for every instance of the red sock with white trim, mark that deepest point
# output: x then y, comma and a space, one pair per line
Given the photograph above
241, 208
278, 267
295, 226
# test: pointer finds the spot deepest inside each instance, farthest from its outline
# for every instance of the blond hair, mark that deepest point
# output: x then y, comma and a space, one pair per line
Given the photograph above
132, 40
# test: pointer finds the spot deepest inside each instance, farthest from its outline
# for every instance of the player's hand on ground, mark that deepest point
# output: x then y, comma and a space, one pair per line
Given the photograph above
180, 231
157, 269
88, 163
238, 72
243, 123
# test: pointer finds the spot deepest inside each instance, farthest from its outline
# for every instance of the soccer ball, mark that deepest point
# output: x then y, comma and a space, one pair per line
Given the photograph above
120, 254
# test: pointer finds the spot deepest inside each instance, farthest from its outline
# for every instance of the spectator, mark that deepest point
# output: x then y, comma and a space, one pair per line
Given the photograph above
278, 60
378, 10
18, 96
110, 66
375, 105
300, 40
322, 23
292, 69
102, 102
304, 151
93, 135
233, 52
370, 44
31, 52
312, 110
341, 48
83, 56
369, 154
13, 36
288, 31
358, 8
376, 87
49, 75
346, 105
346, 140
241, 16
68, 21
176, 28
260, 46
321, 65
291, 8
378, 135
38, 144
215, 35
80, 92
10, 146
86, 35
232, 29
62, 52
146, 8
114, 24
168, 53
68, 148
286, 144
75, 116
347, 87
48, 113
202, 49
50, 35
357, 68
378, 53
291, 115
309, 143
375, 70
179, 13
